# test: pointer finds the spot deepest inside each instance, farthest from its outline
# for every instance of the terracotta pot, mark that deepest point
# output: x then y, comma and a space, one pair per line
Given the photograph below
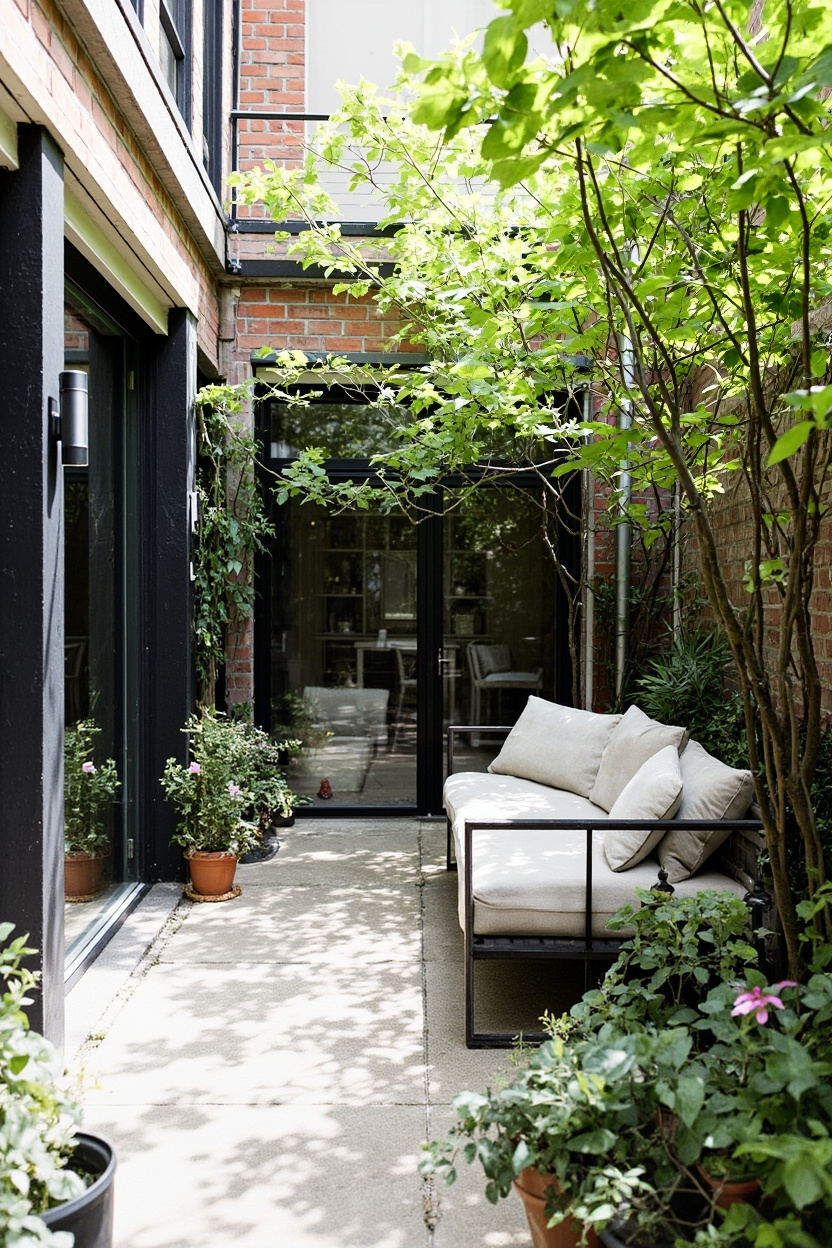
212, 874
531, 1187
82, 873
728, 1192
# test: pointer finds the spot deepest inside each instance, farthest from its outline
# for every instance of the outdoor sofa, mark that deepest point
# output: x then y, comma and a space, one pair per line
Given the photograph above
577, 811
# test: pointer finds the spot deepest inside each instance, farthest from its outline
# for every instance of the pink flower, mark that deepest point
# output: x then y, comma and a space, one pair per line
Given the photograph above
194, 769
755, 1001
233, 789
89, 768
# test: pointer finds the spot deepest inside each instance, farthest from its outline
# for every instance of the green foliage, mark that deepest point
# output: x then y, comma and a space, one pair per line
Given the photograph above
260, 767
231, 788
89, 790
232, 527
681, 946
684, 1055
37, 1116
212, 794
687, 686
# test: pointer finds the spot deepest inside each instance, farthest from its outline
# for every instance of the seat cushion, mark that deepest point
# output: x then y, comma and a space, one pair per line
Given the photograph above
654, 792
555, 745
532, 882
711, 790
635, 739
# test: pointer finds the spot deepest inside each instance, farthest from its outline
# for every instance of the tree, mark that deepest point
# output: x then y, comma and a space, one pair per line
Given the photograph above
661, 208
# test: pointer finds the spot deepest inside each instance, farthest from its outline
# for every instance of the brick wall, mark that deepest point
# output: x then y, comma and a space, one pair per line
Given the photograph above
272, 77
734, 538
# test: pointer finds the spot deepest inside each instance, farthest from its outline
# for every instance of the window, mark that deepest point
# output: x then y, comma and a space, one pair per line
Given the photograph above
174, 45
212, 92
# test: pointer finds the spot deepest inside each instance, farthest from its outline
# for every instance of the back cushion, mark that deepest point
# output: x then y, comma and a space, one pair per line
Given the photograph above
635, 739
494, 659
555, 745
711, 790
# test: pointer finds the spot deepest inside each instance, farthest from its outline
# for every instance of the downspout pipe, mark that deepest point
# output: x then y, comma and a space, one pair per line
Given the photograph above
623, 531
589, 531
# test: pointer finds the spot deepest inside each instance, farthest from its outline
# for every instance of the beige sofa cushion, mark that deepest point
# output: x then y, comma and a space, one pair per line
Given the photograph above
654, 792
530, 882
711, 790
555, 745
635, 739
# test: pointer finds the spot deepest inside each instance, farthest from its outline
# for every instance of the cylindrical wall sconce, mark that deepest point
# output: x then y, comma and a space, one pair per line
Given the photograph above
74, 419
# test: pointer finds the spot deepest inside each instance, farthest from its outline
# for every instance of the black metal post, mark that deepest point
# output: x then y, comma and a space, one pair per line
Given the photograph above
32, 565
168, 681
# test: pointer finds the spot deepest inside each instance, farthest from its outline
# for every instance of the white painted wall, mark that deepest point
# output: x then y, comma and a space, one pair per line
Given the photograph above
351, 39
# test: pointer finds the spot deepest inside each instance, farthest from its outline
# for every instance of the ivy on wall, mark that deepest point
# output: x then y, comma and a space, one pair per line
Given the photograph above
233, 526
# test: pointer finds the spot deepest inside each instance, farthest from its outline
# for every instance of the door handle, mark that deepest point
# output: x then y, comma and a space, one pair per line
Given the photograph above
441, 661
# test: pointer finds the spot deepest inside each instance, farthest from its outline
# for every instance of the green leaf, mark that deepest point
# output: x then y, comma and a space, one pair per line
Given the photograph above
601, 1140
690, 1097
791, 441
504, 50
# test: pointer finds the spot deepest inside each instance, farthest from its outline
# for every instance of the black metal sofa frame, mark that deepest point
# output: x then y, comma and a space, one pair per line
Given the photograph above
588, 949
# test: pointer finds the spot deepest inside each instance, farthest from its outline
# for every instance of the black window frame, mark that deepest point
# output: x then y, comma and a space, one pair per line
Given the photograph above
176, 21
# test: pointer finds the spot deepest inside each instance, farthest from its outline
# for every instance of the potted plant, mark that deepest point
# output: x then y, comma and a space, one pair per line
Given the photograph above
683, 1061
274, 801
53, 1178
89, 790
212, 797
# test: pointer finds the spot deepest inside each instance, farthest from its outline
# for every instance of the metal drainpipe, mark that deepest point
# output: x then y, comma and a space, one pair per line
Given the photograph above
623, 534
589, 617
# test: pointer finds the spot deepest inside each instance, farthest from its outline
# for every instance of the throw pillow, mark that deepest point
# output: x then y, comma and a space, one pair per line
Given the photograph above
636, 738
711, 790
555, 745
654, 792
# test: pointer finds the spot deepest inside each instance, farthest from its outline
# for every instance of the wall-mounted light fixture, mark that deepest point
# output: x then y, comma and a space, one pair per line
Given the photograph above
70, 422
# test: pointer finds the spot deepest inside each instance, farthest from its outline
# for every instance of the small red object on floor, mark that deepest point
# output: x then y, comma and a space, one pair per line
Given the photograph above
325, 790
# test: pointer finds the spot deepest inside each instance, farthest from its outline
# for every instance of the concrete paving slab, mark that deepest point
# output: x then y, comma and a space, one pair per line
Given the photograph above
443, 939
258, 1035
511, 996
117, 961
336, 859
266, 1069
464, 1218
304, 923
253, 1176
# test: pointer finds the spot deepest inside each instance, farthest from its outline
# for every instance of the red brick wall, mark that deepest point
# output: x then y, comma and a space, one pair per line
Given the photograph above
734, 536
272, 77
309, 318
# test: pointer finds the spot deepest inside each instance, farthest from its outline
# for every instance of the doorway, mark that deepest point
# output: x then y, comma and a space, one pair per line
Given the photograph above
373, 633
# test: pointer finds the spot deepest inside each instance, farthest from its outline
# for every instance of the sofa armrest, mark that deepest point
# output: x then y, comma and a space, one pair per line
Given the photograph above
455, 729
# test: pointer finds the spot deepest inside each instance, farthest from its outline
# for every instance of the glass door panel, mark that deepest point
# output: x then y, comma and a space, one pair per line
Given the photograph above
95, 608
343, 656
499, 617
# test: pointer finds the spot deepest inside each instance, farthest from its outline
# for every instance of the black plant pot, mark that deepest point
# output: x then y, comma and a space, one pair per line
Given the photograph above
90, 1215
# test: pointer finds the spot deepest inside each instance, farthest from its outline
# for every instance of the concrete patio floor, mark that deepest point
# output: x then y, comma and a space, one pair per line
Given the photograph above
268, 1067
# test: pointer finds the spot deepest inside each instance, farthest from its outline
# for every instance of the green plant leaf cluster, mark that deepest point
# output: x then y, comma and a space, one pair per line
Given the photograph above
232, 527
231, 787
37, 1115
656, 1080
87, 793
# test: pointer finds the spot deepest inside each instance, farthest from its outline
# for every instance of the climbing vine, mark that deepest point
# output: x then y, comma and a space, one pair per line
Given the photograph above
233, 525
